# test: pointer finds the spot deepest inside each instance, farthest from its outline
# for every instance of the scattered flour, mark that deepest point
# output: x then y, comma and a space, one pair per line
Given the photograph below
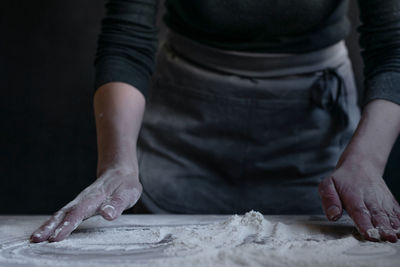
248, 240
374, 233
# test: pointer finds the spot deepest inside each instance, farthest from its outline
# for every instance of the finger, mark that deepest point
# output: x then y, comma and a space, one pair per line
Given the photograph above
330, 199
396, 209
381, 222
84, 209
396, 212
70, 222
362, 219
44, 231
118, 202
394, 222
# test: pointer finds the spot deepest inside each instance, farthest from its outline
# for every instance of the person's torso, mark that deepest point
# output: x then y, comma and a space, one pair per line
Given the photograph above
270, 25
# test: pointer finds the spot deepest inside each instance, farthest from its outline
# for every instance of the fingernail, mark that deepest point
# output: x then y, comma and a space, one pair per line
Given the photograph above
333, 213
109, 210
35, 236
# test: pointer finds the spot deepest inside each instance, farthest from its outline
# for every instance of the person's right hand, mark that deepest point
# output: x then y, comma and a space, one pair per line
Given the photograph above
113, 192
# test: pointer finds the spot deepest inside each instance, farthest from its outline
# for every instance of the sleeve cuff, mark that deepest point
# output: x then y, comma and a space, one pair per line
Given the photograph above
107, 72
385, 85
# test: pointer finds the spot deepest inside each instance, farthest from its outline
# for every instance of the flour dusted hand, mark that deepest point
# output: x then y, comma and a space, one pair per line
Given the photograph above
118, 110
362, 192
356, 184
112, 193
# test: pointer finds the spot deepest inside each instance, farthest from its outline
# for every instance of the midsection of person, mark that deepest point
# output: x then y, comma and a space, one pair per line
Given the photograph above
270, 26
265, 130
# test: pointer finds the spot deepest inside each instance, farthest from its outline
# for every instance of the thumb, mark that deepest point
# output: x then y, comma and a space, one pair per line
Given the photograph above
121, 199
330, 199
108, 211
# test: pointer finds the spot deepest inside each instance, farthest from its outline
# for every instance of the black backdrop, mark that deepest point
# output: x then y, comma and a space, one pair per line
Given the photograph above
47, 137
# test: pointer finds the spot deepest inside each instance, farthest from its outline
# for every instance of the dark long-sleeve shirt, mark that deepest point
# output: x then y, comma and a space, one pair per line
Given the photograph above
128, 41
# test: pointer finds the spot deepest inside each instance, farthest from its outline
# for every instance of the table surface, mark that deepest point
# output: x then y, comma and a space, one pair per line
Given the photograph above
16, 250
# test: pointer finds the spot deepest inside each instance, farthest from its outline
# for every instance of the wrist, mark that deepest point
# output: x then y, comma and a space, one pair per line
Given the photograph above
356, 157
375, 135
121, 166
112, 156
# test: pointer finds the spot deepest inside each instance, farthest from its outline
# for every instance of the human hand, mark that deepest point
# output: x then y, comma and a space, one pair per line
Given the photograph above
359, 188
113, 192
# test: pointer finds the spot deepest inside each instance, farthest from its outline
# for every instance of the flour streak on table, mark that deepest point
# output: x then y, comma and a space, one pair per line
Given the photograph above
198, 240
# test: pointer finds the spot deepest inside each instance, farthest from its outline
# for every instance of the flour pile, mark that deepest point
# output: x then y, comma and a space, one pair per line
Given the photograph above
248, 240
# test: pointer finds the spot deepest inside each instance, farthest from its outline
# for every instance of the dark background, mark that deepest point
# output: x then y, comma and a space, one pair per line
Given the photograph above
47, 137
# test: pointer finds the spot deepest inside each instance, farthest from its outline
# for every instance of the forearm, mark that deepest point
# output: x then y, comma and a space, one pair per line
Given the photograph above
375, 136
118, 109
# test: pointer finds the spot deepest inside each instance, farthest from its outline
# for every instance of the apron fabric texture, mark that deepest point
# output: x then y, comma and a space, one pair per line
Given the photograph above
228, 131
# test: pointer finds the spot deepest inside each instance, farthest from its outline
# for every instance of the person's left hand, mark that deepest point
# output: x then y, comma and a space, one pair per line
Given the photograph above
359, 188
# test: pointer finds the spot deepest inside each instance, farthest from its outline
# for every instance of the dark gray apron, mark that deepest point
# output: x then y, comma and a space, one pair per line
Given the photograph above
227, 131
